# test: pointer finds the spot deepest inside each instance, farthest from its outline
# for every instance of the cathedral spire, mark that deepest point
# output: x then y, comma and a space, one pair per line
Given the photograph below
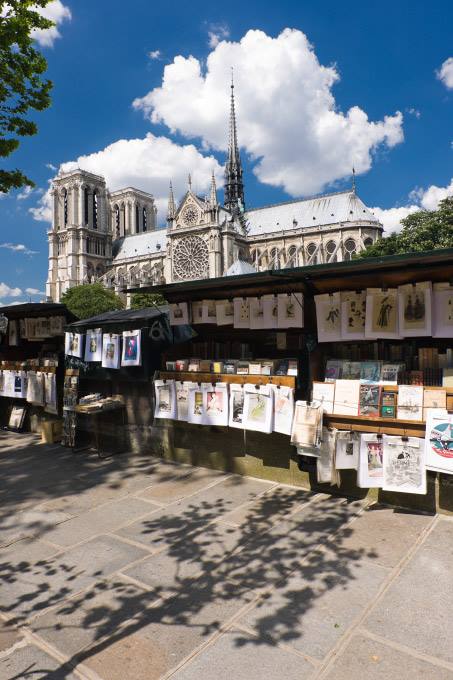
171, 212
189, 182
213, 197
234, 187
353, 180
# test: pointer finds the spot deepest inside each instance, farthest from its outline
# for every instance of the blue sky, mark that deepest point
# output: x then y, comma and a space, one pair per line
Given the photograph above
311, 102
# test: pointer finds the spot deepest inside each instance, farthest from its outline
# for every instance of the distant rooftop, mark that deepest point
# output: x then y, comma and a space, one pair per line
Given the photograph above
139, 245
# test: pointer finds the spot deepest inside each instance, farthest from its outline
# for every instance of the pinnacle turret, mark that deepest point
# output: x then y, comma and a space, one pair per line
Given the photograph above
171, 212
234, 187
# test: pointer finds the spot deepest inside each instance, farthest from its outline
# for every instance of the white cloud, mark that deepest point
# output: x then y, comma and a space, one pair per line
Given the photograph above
13, 304
154, 54
51, 166
34, 291
148, 164
424, 199
288, 119
216, 33
18, 248
414, 112
6, 291
56, 12
25, 193
445, 73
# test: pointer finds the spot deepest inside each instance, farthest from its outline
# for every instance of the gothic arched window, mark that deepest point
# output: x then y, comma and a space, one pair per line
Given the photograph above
350, 248
312, 253
95, 210
117, 221
85, 205
331, 251
368, 242
292, 257
65, 207
145, 219
274, 262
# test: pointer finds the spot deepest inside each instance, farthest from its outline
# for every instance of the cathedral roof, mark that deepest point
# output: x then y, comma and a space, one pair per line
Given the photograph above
240, 267
139, 245
344, 206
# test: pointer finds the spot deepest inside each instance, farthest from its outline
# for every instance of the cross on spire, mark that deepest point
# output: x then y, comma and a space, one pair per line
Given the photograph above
234, 187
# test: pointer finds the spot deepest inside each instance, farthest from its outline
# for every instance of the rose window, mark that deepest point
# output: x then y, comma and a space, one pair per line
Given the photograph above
190, 258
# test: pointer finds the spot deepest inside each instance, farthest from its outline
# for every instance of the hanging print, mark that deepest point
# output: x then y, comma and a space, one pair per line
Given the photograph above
132, 355
328, 317
74, 344
404, 465
353, 312
182, 398
241, 313
270, 311
439, 441
165, 405
93, 345
347, 451
256, 311
370, 473
179, 314
381, 316
283, 409
110, 350
442, 310
224, 313
415, 309
196, 405
290, 311
236, 410
216, 404
258, 407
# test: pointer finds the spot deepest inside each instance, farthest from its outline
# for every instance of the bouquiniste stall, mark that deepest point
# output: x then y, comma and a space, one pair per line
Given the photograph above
320, 375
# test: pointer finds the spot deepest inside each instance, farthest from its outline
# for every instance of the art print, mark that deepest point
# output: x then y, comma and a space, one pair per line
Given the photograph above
307, 426
16, 417
197, 312
410, 402
13, 338
404, 465
370, 472
283, 409
182, 399
347, 394
434, 398
351, 370
256, 308
442, 310
325, 470
93, 346
347, 451
241, 313
110, 351
324, 392
290, 310
196, 405
353, 314
270, 311
370, 371
224, 313
165, 404
415, 309
73, 344
381, 319
131, 348
236, 414
328, 317
179, 314
258, 408
369, 399
439, 441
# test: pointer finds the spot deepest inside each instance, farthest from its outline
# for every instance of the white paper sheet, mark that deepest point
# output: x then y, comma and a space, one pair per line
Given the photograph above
410, 402
224, 313
197, 312
325, 470
132, 348
93, 345
290, 312
241, 313
256, 310
324, 392
347, 394
353, 313
179, 314
404, 465
307, 427
236, 410
370, 473
270, 311
215, 403
442, 316
258, 408
50, 393
283, 409
196, 406
347, 450
182, 398
165, 401
111, 350
414, 304
328, 317
209, 312
74, 344
381, 320
35, 388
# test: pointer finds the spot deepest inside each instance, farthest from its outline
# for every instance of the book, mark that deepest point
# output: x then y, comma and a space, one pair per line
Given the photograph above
346, 397
447, 377
351, 370
324, 392
434, 399
389, 373
333, 370
370, 371
369, 398
242, 368
292, 367
254, 368
194, 365
388, 404
205, 366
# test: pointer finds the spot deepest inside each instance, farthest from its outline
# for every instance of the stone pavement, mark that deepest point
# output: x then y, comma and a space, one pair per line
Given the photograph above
134, 568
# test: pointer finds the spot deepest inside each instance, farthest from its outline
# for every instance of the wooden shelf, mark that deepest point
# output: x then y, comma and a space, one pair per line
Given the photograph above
395, 426
199, 377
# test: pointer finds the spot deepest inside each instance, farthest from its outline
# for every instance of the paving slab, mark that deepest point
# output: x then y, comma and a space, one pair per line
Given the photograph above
176, 629
368, 659
416, 611
184, 519
31, 662
240, 656
29, 523
384, 534
9, 636
313, 608
27, 590
92, 616
100, 520
269, 508
175, 489
169, 572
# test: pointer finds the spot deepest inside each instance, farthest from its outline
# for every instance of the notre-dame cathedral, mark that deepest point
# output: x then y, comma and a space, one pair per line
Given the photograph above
98, 235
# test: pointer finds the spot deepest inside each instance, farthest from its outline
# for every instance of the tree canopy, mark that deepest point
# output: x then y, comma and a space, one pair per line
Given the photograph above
141, 300
90, 300
422, 230
22, 86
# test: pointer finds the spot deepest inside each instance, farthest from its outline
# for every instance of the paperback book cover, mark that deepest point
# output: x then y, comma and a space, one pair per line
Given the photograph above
369, 398
388, 404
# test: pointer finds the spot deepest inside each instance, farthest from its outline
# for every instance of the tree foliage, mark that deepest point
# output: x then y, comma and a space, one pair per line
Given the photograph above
90, 300
22, 86
141, 300
422, 230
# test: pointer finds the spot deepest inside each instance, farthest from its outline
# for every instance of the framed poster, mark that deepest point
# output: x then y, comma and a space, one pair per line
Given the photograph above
404, 465
110, 350
93, 345
131, 355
